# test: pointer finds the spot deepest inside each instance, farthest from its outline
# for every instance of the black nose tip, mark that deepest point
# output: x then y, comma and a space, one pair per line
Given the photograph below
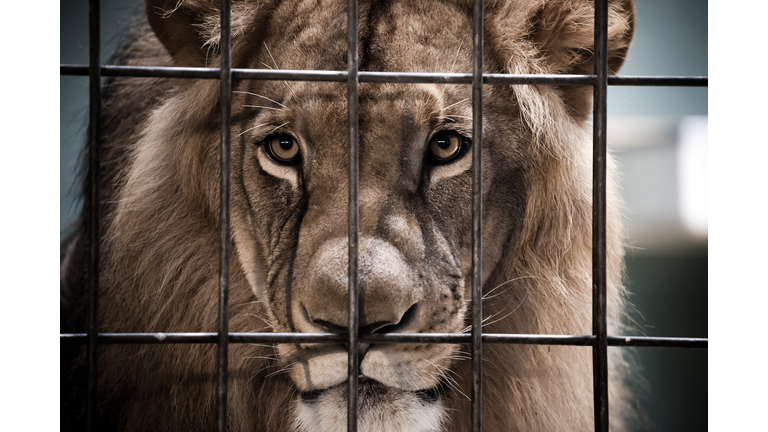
375, 327
391, 327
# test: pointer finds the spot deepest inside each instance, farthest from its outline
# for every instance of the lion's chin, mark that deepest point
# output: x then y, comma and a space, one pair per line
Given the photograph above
380, 408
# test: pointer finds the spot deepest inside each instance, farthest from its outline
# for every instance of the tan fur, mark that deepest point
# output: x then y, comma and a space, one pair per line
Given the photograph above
160, 241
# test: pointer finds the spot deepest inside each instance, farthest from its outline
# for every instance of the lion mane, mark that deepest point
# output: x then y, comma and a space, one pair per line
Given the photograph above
160, 206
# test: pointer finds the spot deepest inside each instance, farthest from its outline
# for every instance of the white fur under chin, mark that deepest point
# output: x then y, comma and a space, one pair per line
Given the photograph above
394, 411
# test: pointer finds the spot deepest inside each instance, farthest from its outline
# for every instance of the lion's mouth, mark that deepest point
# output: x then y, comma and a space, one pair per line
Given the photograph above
370, 390
379, 408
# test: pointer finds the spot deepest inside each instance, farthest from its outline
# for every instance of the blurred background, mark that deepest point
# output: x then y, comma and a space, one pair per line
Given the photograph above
659, 137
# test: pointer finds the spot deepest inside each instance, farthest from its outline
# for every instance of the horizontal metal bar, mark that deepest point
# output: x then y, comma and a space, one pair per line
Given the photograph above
145, 71
460, 338
212, 338
142, 338
659, 81
657, 342
491, 79
486, 338
385, 77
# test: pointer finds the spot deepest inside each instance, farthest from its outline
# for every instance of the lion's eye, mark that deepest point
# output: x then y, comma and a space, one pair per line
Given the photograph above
446, 146
282, 148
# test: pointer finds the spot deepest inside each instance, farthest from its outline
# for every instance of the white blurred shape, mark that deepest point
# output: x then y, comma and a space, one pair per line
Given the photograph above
692, 174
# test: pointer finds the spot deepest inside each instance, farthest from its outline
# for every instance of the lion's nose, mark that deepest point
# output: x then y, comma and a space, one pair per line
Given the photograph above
376, 327
389, 292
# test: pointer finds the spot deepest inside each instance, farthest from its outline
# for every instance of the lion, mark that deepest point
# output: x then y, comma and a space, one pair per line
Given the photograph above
160, 227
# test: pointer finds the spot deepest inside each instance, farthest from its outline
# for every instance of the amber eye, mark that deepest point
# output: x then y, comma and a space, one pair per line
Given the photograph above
446, 146
282, 148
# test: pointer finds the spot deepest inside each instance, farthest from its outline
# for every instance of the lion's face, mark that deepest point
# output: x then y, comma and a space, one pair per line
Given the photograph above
290, 188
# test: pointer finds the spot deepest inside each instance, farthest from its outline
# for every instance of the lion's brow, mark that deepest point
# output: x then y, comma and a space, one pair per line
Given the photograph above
258, 95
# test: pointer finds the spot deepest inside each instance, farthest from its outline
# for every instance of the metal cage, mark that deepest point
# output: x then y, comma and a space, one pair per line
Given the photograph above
599, 340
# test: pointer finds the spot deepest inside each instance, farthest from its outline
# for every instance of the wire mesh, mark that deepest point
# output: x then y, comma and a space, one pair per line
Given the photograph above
599, 340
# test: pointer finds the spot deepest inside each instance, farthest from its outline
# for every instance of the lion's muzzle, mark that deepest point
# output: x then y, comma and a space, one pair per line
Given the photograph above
393, 298
389, 291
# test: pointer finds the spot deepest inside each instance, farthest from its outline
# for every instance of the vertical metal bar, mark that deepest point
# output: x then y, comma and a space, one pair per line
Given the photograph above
477, 215
599, 324
226, 101
94, 170
354, 171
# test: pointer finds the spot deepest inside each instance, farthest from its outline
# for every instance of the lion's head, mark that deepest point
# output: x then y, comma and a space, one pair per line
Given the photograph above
289, 216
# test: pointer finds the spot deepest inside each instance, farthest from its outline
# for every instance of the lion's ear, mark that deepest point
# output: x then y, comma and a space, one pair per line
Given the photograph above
563, 32
176, 24
191, 29
557, 37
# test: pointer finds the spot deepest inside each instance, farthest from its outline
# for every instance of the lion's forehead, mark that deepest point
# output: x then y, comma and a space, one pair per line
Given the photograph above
401, 36
395, 119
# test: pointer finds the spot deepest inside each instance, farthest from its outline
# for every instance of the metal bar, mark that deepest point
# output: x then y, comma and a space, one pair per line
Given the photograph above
491, 79
225, 46
70, 339
659, 81
94, 171
657, 342
353, 367
477, 216
204, 338
385, 77
599, 324
144, 71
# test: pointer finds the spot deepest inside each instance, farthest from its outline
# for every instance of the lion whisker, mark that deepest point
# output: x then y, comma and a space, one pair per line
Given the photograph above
260, 318
249, 303
283, 369
278, 67
277, 127
457, 116
258, 372
456, 57
505, 316
454, 104
261, 345
449, 380
446, 118
488, 294
462, 357
260, 106
444, 371
250, 129
260, 358
258, 95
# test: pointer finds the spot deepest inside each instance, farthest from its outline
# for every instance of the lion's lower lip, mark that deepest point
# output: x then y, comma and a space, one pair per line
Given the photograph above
369, 388
313, 395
